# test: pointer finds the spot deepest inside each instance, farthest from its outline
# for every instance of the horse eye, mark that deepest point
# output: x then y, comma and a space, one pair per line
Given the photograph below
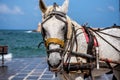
43, 32
63, 28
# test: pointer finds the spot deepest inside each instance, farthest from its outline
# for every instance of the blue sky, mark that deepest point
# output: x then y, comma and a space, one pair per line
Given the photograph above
25, 14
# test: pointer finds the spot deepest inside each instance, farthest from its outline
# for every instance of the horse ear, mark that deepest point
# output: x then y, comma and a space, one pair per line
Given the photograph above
65, 6
42, 6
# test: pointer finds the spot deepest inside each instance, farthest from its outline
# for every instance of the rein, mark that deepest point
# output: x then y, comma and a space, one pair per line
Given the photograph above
105, 39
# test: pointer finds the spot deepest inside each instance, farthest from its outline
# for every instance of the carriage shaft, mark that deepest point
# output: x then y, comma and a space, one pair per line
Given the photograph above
83, 55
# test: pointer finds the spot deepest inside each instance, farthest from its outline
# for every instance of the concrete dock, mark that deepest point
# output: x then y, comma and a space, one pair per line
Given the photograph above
26, 69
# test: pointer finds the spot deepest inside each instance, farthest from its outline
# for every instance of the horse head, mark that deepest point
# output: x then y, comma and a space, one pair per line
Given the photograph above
54, 30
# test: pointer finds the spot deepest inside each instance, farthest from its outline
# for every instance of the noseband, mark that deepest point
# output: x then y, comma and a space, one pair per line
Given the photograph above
54, 41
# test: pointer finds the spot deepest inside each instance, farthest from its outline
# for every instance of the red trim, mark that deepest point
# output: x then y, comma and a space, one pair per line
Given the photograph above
86, 35
87, 38
95, 42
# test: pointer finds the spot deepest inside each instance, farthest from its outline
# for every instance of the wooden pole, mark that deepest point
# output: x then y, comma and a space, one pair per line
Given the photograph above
88, 56
2, 59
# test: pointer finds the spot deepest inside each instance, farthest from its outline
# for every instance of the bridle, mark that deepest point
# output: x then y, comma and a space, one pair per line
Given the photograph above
58, 15
62, 17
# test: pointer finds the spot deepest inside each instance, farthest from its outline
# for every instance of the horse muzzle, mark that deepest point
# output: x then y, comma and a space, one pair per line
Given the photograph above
56, 67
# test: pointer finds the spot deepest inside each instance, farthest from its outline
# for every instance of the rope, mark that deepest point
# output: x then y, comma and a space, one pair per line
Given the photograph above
40, 44
106, 41
99, 29
109, 34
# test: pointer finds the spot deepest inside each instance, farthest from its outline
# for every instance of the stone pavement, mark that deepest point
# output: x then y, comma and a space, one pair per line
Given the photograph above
31, 69
26, 69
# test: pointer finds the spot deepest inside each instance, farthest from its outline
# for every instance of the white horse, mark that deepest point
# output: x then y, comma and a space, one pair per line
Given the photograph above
62, 36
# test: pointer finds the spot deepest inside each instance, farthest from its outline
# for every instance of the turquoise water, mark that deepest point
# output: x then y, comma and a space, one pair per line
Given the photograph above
22, 43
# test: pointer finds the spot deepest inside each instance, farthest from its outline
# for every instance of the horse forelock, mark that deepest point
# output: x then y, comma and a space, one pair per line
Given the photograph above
50, 9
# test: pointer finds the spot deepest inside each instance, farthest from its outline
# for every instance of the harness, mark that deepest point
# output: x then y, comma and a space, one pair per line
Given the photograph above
85, 68
92, 55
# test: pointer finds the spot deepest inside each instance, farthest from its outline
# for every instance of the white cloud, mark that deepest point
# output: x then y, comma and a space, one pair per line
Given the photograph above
4, 9
111, 8
100, 9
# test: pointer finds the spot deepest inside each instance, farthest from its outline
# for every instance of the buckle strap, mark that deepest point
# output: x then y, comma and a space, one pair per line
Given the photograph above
54, 41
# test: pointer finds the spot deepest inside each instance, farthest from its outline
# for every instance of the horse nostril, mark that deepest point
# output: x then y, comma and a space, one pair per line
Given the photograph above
60, 61
54, 65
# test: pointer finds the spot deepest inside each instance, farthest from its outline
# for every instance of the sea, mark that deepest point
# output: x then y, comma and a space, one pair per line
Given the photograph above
22, 43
